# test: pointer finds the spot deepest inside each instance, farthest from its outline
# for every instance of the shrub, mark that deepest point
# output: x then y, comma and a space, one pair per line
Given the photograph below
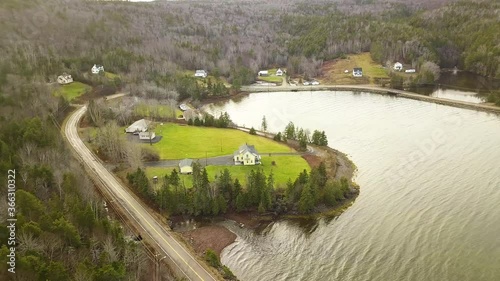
252, 131
212, 258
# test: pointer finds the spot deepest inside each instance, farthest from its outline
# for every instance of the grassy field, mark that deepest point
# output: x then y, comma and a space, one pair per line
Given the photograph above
333, 71
110, 75
158, 111
197, 142
203, 81
272, 78
287, 167
72, 91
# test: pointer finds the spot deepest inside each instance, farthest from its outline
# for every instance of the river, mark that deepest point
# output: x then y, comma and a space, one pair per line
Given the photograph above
430, 192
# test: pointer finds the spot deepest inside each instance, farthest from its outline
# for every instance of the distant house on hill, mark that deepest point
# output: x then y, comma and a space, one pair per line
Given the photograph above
64, 79
246, 155
186, 166
398, 66
357, 72
183, 107
96, 69
201, 73
147, 135
279, 72
263, 73
138, 126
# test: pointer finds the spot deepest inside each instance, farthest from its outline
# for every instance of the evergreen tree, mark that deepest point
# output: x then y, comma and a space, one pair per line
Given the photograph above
323, 139
241, 202
277, 137
263, 125
290, 131
306, 202
252, 131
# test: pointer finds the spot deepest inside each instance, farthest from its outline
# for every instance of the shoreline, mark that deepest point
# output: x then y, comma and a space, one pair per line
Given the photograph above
371, 89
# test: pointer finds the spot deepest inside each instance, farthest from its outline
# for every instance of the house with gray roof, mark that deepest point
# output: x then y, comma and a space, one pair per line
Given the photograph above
186, 166
138, 126
246, 155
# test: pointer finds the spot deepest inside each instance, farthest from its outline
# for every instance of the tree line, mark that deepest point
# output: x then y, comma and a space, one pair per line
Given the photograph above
225, 193
303, 137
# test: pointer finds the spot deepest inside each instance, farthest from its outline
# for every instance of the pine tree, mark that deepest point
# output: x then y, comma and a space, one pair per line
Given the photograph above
264, 124
306, 202
241, 202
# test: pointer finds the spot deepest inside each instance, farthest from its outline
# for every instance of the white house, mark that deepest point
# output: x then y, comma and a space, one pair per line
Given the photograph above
246, 155
279, 72
96, 69
410, 70
147, 136
201, 73
186, 166
183, 107
138, 126
64, 79
398, 66
357, 72
263, 73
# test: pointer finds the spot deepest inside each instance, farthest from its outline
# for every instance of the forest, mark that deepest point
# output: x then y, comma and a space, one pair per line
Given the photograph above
66, 233
158, 42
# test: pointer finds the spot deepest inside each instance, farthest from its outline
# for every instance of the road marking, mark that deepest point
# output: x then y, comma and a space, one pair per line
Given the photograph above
115, 187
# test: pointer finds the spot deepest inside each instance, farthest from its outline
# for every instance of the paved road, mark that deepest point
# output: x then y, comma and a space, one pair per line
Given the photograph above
225, 160
376, 89
162, 236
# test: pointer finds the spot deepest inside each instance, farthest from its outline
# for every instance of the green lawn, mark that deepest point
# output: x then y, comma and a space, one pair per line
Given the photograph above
334, 70
197, 142
111, 76
272, 78
72, 91
287, 167
158, 111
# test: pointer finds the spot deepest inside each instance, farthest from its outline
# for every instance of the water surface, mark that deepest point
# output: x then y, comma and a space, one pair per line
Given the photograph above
430, 192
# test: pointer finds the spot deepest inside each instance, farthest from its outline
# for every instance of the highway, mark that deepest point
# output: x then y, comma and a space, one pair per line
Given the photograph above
180, 256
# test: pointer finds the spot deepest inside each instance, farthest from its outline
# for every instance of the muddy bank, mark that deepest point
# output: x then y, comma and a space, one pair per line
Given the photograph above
209, 237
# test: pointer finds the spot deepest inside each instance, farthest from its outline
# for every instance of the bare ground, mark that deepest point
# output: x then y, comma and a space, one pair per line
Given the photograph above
209, 237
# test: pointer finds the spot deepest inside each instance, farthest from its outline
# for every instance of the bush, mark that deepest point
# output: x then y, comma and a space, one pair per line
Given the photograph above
252, 131
149, 154
212, 258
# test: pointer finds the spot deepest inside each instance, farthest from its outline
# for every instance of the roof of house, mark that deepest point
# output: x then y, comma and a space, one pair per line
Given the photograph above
201, 71
143, 124
186, 162
357, 69
397, 63
244, 148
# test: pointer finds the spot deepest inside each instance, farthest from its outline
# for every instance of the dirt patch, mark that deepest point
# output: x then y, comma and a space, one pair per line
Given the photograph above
312, 160
209, 237
248, 219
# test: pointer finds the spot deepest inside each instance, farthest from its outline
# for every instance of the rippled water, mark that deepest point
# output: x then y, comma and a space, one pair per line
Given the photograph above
429, 207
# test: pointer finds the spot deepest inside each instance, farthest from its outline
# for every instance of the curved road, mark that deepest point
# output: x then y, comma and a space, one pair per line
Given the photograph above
165, 241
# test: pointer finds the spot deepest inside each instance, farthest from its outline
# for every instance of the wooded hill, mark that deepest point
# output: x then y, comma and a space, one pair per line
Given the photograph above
154, 41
